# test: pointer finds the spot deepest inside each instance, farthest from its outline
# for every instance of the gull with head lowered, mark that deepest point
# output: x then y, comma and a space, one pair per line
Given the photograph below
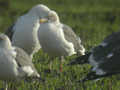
24, 33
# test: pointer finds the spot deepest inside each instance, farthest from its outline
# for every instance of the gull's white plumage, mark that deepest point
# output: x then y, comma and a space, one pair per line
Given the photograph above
53, 41
52, 37
26, 29
25, 37
8, 66
15, 64
58, 39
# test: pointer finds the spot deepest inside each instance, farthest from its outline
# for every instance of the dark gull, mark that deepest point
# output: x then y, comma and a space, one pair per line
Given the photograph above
104, 58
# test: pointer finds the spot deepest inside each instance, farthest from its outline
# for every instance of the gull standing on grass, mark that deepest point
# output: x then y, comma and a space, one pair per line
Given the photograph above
15, 63
58, 39
104, 58
24, 33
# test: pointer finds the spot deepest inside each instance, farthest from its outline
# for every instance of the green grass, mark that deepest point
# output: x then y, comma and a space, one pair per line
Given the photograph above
92, 20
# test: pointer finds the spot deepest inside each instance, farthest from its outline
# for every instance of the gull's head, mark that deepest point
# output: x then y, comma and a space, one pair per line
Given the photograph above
40, 10
52, 17
5, 41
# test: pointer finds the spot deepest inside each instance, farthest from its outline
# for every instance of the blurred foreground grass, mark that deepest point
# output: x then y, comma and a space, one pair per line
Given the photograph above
92, 20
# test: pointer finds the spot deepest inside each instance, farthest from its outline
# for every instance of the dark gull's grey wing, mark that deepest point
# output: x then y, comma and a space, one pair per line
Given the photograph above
105, 58
9, 32
72, 37
23, 59
109, 45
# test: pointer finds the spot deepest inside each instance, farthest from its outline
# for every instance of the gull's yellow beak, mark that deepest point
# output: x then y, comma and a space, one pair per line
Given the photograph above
43, 20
